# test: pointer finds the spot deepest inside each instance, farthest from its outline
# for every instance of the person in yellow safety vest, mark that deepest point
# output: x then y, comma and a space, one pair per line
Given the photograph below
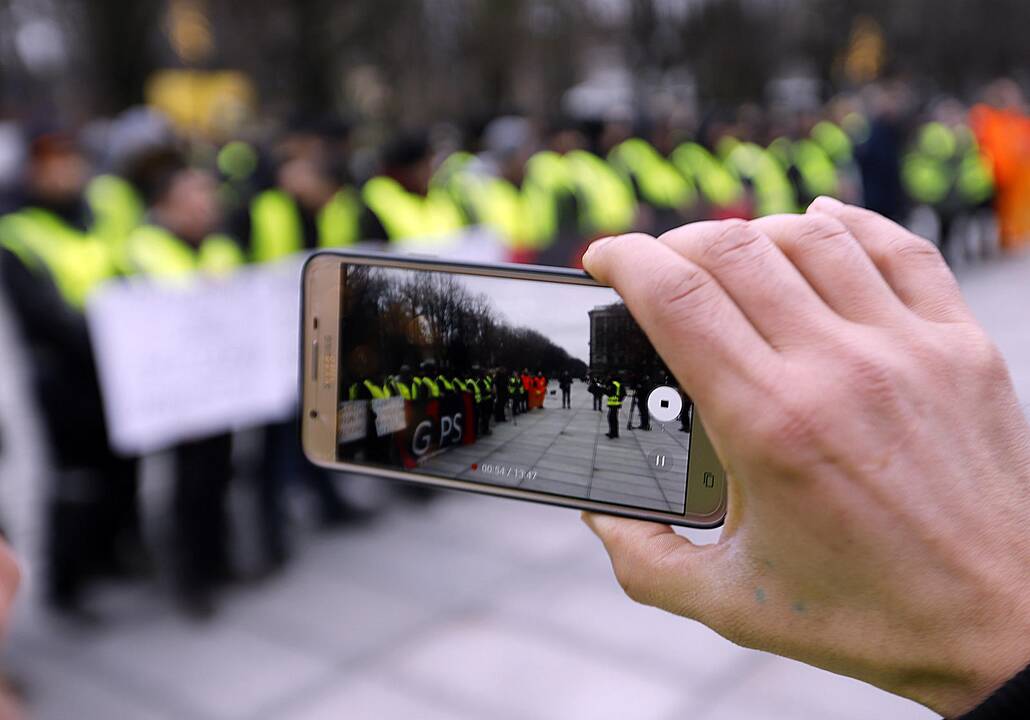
492, 188
425, 385
50, 262
658, 184
405, 209
607, 203
117, 210
403, 385
616, 392
946, 171
367, 389
179, 241
444, 383
475, 383
515, 391
459, 384
815, 171
834, 141
308, 208
180, 238
772, 190
549, 193
719, 186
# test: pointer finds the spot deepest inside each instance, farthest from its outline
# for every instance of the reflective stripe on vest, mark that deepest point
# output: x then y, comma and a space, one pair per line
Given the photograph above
615, 400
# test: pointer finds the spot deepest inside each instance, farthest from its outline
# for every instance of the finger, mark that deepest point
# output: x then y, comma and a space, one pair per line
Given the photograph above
911, 265
695, 326
655, 566
759, 278
829, 257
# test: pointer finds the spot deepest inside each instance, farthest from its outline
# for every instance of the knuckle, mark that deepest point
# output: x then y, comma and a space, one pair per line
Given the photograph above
909, 247
820, 229
982, 358
676, 289
794, 426
735, 242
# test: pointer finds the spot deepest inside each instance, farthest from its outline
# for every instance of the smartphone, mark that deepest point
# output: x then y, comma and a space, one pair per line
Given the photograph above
516, 381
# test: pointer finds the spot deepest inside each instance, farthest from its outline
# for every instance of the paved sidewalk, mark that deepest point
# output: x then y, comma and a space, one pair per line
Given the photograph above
467, 608
567, 452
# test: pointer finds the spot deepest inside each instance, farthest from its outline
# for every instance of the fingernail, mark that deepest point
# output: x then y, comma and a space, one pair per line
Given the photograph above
597, 245
827, 202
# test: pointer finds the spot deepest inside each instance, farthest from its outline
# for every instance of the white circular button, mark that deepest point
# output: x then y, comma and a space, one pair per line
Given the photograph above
664, 403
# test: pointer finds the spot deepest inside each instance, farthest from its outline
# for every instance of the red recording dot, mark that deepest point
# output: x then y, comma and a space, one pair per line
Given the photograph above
475, 466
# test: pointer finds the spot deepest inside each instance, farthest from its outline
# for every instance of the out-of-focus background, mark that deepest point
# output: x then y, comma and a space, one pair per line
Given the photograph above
189, 567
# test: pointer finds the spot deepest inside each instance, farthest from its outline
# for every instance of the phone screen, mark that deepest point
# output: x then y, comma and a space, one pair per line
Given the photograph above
540, 385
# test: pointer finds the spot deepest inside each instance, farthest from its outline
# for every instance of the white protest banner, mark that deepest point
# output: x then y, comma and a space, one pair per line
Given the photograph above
180, 361
352, 419
389, 414
202, 356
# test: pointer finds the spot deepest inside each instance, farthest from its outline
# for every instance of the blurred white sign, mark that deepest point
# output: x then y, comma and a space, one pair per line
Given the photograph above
352, 421
389, 414
180, 362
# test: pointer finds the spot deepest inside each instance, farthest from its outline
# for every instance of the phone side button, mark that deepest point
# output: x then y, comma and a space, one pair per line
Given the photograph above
314, 360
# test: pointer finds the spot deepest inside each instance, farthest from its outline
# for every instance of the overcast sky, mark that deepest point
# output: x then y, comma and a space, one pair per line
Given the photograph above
557, 310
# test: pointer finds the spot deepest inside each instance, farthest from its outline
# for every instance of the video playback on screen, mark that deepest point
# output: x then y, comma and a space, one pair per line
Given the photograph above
553, 389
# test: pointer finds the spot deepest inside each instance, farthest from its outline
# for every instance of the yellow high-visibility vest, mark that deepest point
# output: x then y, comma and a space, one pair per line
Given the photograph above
76, 261
718, 184
607, 199
277, 230
615, 399
658, 181
472, 385
408, 217
157, 253
117, 210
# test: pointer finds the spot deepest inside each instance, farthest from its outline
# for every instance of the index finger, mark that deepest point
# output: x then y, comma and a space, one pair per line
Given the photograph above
707, 341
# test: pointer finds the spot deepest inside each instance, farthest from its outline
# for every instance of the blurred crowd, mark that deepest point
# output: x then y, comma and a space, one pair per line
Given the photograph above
133, 196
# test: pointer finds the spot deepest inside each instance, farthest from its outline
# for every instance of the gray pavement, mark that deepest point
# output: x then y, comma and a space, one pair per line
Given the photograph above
566, 451
466, 608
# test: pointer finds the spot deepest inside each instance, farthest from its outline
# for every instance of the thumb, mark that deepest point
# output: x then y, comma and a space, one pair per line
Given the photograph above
655, 566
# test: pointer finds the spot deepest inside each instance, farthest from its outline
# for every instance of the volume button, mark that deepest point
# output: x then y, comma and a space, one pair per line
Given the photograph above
314, 360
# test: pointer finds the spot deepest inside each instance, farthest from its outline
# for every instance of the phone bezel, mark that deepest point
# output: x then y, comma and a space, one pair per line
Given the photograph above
320, 393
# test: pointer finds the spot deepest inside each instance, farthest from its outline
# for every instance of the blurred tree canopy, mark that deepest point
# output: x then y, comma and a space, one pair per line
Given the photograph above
407, 62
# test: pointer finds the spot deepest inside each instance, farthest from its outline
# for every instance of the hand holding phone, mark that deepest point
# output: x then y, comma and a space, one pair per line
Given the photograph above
449, 375
879, 462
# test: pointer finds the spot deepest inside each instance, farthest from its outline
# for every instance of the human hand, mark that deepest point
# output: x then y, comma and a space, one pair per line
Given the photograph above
879, 464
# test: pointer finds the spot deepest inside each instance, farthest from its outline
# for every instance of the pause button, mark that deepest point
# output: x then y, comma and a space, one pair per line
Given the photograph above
661, 460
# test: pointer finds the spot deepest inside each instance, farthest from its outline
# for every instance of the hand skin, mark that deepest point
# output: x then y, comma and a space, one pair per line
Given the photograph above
879, 464
10, 579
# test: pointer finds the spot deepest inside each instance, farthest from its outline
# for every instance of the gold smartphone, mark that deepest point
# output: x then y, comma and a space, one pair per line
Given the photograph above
518, 381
